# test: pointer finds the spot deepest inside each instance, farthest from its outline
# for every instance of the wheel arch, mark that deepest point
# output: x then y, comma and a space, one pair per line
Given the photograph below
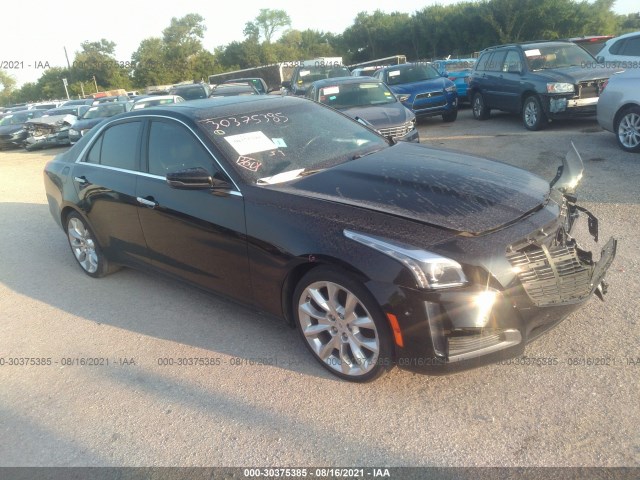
528, 93
298, 271
621, 111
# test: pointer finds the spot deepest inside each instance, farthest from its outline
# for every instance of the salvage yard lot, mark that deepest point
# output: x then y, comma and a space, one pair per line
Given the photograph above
257, 398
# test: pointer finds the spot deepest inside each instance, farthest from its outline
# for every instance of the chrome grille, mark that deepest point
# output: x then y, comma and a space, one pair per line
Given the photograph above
553, 276
590, 88
397, 131
430, 95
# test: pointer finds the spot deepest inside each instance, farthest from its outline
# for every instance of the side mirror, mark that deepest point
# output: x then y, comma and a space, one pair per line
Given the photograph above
190, 179
600, 59
287, 84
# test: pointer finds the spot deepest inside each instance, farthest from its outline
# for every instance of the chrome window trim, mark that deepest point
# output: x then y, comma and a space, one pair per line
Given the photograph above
145, 174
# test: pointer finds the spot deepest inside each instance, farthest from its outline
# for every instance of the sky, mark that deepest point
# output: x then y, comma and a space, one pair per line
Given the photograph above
35, 34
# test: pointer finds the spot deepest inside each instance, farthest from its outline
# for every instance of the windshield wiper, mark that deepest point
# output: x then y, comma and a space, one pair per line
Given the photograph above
360, 155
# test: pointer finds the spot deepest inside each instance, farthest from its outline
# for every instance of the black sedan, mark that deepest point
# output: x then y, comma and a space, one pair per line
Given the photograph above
369, 101
380, 253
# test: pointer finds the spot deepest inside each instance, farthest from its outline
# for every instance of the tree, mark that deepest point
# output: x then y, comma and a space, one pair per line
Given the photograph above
8, 84
150, 66
182, 44
96, 59
266, 24
378, 35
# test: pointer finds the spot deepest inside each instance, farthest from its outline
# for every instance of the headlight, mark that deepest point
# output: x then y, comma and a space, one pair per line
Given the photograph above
451, 88
429, 269
560, 88
403, 97
73, 132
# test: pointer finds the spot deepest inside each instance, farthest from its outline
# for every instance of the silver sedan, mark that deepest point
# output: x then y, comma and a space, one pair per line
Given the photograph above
619, 109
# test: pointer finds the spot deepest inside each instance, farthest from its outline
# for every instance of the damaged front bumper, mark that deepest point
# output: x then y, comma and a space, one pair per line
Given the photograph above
532, 286
48, 132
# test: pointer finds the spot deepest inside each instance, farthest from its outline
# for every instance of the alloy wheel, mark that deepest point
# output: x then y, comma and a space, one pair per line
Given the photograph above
82, 245
338, 328
629, 131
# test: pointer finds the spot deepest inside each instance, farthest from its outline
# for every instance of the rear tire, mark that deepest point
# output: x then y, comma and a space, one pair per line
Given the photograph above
85, 247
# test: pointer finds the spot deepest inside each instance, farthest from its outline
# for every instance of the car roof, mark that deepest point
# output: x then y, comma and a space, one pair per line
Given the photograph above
218, 106
344, 80
152, 98
626, 35
106, 104
533, 43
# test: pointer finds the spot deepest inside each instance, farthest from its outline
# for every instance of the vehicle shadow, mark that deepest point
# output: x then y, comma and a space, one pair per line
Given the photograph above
166, 309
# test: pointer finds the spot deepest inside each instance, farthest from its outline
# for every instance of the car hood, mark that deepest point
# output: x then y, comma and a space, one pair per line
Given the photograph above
576, 74
53, 122
381, 116
422, 86
446, 189
9, 129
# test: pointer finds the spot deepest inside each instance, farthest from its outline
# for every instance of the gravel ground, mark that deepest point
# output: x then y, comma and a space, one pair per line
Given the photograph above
135, 412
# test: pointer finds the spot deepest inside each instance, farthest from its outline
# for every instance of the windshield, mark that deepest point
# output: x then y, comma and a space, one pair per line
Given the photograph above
190, 93
62, 111
14, 119
411, 73
543, 57
355, 95
460, 66
291, 140
103, 111
308, 75
152, 103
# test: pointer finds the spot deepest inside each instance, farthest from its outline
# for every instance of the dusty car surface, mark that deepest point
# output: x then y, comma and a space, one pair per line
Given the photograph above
619, 109
379, 253
369, 101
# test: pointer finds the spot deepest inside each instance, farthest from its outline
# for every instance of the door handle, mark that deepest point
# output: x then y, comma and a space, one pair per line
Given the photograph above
147, 202
81, 180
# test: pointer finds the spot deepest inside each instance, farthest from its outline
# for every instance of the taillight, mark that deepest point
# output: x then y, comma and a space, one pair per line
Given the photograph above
606, 82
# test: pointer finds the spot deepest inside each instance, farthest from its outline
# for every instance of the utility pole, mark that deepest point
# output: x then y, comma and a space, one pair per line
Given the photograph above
95, 83
67, 57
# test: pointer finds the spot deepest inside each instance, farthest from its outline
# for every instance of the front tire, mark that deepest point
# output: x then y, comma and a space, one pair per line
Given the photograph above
533, 116
85, 247
450, 116
480, 110
628, 130
342, 325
